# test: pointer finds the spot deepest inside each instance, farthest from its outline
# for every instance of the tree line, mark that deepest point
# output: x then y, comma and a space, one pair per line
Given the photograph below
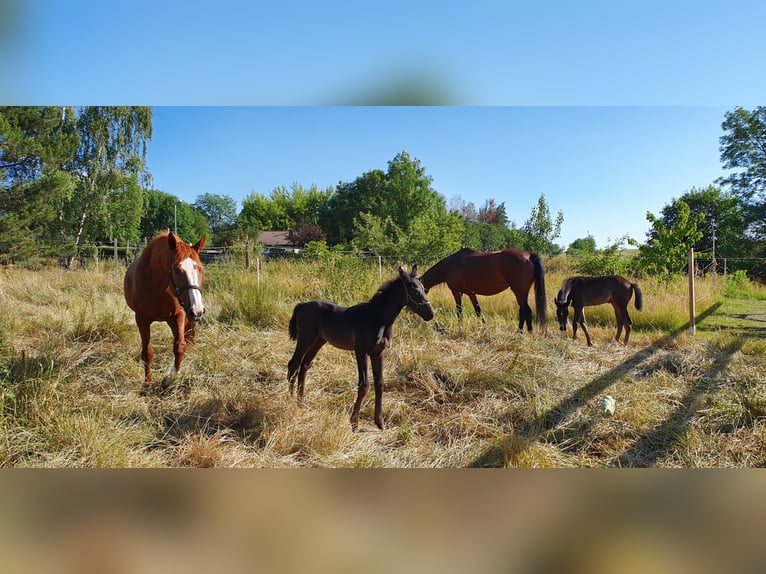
72, 178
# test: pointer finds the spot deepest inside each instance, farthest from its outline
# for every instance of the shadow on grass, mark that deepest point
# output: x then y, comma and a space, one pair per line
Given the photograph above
648, 448
213, 416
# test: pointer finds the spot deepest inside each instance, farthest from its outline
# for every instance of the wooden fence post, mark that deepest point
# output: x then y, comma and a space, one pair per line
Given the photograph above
692, 312
247, 255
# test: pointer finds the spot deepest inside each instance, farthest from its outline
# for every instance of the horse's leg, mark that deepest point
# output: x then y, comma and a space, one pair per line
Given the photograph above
458, 304
525, 312
579, 318
377, 378
476, 307
619, 316
361, 391
179, 348
147, 351
306, 364
294, 364
628, 324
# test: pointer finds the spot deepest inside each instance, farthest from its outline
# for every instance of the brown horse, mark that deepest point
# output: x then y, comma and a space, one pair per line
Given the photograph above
365, 329
581, 292
165, 284
480, 273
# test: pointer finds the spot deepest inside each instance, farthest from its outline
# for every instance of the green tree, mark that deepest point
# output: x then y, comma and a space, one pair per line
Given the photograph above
307, 204
666, 251
431, 236
402, 194
163, 211
582, 245
722, 213
35, 145
220, 211
743, 150
487, 236
109, 166
540, 230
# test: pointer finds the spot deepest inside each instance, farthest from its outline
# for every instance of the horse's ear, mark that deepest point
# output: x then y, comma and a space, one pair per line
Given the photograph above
414, 272
402, 272
200, 244
172, 241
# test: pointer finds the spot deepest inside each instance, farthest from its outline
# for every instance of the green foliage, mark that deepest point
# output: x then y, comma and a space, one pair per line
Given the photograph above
487, 237
35, 145
400, 195
609, 261
582, 245
743, 148
163, 212
219, 210
738, 285
431, 236
110, 168
666, 254
540, 230
719, 212
316, 250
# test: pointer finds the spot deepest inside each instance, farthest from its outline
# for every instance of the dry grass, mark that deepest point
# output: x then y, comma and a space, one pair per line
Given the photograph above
464, 395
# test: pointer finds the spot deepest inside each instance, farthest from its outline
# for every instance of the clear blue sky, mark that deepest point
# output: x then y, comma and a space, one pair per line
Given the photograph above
602, 102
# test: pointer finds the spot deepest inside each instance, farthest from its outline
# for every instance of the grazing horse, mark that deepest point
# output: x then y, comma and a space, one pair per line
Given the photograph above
581, 292
480, 273
365, 328
165, 284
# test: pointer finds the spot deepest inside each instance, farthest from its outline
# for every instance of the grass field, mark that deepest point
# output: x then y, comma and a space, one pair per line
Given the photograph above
71, 388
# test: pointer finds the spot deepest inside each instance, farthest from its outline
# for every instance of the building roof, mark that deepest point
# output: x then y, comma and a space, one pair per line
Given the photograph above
274, 238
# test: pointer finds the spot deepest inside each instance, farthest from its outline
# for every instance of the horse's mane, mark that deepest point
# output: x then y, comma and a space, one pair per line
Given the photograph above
435, 274
384, 290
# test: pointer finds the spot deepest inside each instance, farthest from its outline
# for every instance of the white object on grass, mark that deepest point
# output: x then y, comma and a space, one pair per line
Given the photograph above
607, 405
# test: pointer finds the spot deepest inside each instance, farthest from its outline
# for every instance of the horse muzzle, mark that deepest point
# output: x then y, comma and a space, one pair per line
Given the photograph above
194, 316
426, 312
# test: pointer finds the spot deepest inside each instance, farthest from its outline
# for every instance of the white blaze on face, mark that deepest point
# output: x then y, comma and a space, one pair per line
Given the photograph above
191, 270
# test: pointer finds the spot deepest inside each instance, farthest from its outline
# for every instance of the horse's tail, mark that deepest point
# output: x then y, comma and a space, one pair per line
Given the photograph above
541, 302
639, 302
292, 328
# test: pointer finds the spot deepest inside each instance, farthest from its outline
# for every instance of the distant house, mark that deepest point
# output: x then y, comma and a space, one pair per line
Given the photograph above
277, 242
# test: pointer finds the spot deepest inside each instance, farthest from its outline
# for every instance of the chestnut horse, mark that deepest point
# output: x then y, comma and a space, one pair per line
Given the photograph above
475, 273
365, 329
581, 292
165, 284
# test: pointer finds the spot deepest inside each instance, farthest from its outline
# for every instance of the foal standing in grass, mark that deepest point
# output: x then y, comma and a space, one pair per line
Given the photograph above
365, 329
581, 292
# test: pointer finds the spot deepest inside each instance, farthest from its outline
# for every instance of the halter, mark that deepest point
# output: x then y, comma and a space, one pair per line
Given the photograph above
178, 290
411, 300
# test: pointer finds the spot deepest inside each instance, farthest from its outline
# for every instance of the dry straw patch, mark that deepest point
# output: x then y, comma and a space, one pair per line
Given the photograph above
457, 394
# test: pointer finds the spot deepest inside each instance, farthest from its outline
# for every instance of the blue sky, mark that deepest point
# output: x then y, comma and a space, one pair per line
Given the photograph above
603, 167
617, 103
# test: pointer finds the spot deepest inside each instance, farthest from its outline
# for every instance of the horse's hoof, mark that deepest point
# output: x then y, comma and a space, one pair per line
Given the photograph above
379, 424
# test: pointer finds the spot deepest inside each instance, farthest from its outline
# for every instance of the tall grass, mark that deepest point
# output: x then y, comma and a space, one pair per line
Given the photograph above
457, 393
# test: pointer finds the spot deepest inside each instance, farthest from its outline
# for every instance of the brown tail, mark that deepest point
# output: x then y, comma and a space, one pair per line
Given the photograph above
541, 303
639, 302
